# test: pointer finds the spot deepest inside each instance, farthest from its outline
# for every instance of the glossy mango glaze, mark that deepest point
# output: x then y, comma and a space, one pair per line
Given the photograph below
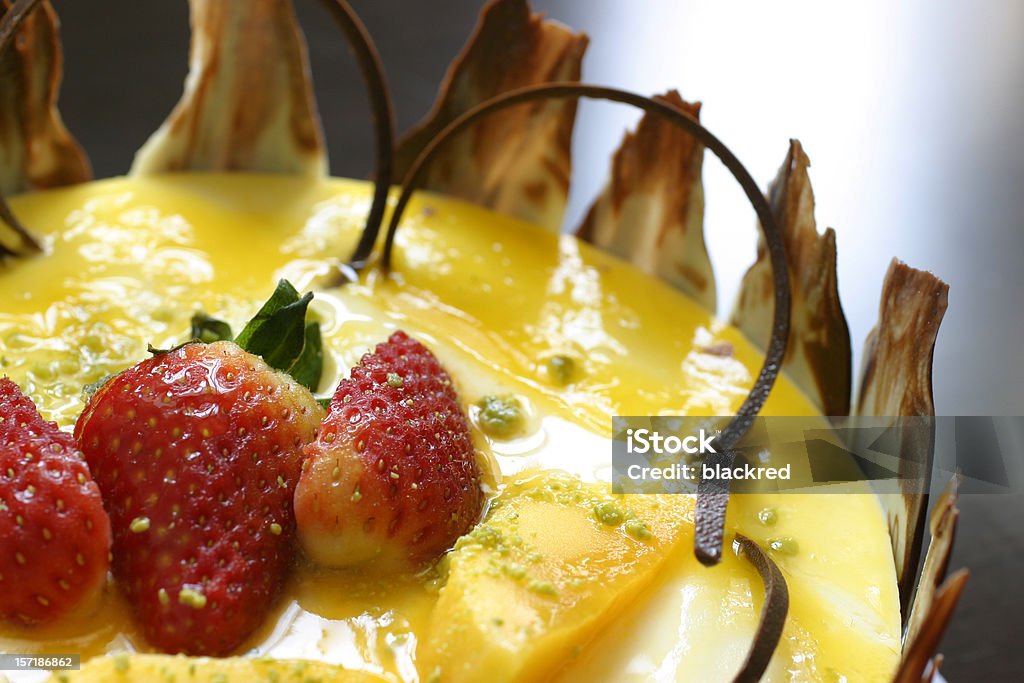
130, 260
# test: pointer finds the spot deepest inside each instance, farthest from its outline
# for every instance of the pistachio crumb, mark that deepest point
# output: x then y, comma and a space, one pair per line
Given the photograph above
561, 369
638, 530
768, 516
608, 513
542, 587
192, 597
501, 416
513, 570
395, 380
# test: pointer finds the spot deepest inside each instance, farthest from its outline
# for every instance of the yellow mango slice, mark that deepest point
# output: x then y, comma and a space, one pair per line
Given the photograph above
139, 668
553, 563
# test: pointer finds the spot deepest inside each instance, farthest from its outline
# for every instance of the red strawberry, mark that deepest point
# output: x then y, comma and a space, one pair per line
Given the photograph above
54, 534
197, 452
392, 476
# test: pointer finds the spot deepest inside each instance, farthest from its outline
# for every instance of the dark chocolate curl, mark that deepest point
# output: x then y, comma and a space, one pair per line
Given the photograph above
773, 611
710, 525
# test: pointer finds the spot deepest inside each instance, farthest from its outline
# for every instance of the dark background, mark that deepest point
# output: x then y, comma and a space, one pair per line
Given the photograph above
912, 112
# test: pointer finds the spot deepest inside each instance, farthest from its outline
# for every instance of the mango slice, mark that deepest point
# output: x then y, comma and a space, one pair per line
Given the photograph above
553, 563
139, 668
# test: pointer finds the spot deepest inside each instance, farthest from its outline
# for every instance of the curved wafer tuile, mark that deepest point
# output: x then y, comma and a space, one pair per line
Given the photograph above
896, 380
818, 356
652, 211
919, 663
36, 150
248, 104
942, 526
518, 161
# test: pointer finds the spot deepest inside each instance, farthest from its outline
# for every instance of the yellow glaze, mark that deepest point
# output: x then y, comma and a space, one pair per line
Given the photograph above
129, 262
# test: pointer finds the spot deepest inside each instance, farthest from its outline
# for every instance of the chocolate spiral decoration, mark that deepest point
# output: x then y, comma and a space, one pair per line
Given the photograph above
773, 611
383, 112
712, 495
381, 108
9, 27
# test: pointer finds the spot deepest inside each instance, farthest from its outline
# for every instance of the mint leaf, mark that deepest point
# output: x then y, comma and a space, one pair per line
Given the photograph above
285, 295
308, 367
278, 333
208, 329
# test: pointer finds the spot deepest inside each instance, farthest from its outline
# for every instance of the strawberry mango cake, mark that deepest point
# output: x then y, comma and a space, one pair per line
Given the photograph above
243, 440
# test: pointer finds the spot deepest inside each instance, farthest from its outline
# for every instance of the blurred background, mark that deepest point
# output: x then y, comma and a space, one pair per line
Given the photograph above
912, 114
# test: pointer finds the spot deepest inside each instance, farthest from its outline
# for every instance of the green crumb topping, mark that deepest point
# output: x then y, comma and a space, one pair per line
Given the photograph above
609, 514
163, 597
121, 662
638, 530
139, 524
485, 535
192, 597
784, 546
542, 587
768, 517
561, 369
275, 529
501, 416
395, 380
513, 570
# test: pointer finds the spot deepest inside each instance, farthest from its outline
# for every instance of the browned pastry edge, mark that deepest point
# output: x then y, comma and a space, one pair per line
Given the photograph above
651, 213
896, 380
929, 614
248, 102
818, 357
518, 162
36, 150
917, 655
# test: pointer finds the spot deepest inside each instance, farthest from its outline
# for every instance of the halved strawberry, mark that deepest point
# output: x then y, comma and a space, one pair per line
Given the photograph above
392, 476
197, 452
54, 534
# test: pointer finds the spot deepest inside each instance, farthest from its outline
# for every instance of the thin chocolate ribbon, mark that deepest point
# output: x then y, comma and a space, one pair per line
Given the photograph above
773, 611
712, 495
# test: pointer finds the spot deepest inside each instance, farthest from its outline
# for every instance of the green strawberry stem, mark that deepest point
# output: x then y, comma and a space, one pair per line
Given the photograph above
279, 333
